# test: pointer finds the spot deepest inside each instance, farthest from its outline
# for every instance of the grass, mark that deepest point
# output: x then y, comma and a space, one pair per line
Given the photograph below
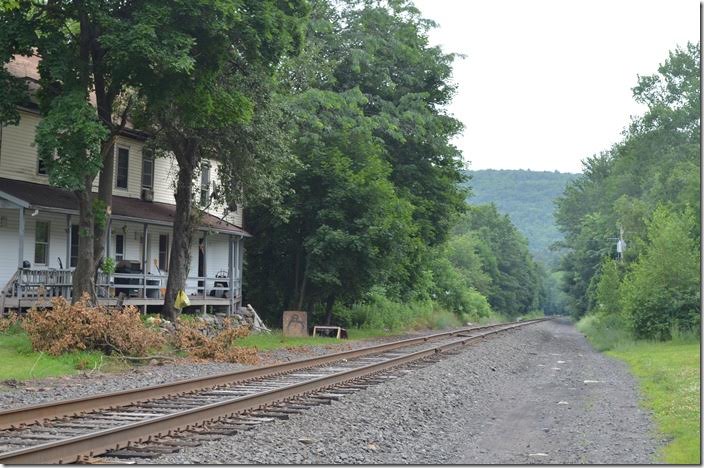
19, 362
669, 376
276, 340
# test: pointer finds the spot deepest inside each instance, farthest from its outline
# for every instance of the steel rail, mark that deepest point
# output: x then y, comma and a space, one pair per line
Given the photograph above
37, 413
73, 448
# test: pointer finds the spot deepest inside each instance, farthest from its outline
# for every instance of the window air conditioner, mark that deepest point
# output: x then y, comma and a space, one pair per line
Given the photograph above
147, 194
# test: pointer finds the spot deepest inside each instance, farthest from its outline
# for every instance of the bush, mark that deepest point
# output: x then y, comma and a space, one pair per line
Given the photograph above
663, 287
9, 324
191, 337
383, 314
77, 327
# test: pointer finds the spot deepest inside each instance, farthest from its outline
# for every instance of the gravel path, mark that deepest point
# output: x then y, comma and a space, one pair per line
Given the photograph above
539, 394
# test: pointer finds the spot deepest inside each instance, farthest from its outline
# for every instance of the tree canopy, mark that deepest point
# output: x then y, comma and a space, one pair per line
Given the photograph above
648, 187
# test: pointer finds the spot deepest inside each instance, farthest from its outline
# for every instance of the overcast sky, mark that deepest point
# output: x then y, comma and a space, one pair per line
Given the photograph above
546, 83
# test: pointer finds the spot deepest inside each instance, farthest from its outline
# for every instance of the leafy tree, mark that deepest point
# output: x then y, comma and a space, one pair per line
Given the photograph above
663, 288
515, 279
383, 49
656, 164
372, 61
608, 299
193, 106
75, 138
346, 225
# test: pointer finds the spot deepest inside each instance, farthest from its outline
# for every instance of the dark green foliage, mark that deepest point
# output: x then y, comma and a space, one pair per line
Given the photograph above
648, 186
346, 227
376, 188
663, 288
71, 128
528, 197
515, 278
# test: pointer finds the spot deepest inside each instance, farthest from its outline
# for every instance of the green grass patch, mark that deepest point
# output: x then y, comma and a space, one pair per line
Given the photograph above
605, 332
669, 376
276, 340
19, 362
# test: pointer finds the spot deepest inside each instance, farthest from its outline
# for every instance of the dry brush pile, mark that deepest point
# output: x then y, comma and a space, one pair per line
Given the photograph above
69, 327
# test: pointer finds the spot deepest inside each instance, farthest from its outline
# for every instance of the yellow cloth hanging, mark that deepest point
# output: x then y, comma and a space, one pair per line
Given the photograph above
181, 300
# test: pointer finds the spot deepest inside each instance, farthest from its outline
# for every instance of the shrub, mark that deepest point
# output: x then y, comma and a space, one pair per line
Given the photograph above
191, 337
663, 287
9, 323
77, 327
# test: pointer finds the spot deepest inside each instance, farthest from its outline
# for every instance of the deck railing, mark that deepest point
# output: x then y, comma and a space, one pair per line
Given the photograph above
29, 283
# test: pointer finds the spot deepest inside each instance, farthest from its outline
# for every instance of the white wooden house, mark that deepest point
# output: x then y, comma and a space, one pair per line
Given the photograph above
39, 236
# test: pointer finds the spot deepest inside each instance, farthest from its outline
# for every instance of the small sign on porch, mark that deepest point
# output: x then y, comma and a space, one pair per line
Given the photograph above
295, 323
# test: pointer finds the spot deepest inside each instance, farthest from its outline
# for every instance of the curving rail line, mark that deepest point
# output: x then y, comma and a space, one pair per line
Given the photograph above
69, 430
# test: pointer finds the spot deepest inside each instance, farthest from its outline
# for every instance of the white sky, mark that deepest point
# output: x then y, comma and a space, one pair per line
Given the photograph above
547, 83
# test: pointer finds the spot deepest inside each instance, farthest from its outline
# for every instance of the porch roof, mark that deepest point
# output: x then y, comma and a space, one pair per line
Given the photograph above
40, 196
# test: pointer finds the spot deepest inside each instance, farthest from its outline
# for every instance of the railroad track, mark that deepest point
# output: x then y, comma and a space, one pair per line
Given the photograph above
150, 421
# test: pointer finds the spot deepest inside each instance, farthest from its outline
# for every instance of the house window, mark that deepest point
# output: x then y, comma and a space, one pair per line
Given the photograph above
164, 252
119, 247
41, 167
123, 158
147, 169
204, 184
41, 243
73, 259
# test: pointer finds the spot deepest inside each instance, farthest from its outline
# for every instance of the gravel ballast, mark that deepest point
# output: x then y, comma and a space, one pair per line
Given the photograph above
539, 394
17, 394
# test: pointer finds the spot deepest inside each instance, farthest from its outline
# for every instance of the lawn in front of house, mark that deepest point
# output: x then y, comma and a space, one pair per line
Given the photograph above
19, 362
669, 374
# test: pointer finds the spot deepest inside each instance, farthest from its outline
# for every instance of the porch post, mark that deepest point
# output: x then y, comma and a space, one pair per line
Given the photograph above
68, 241
108, 236
204, 307
240, 262
20, 252
231, 274
145, 262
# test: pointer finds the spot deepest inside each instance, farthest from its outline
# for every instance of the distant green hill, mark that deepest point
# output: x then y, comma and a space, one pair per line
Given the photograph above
528, 198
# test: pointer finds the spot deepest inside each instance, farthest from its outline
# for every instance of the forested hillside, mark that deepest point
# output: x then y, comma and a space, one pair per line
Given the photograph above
528, 197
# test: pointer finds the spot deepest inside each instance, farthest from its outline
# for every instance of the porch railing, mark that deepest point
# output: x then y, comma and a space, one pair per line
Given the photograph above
46, 284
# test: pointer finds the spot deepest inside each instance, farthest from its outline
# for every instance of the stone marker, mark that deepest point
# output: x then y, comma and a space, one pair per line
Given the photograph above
295, 323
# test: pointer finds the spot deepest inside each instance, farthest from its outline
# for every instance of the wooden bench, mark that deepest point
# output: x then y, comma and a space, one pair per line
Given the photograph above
339, 332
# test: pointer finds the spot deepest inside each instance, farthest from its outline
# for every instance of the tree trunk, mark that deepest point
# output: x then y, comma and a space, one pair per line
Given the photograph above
105, 186
84, 274
328, 309
185, 223
304, 281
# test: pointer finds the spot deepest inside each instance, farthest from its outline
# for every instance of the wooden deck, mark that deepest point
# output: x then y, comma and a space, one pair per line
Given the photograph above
35, 288
197, 301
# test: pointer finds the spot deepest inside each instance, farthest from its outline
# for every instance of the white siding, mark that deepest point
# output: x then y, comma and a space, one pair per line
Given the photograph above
18, 155
216, 255
165, 170
18, 160
134, 169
